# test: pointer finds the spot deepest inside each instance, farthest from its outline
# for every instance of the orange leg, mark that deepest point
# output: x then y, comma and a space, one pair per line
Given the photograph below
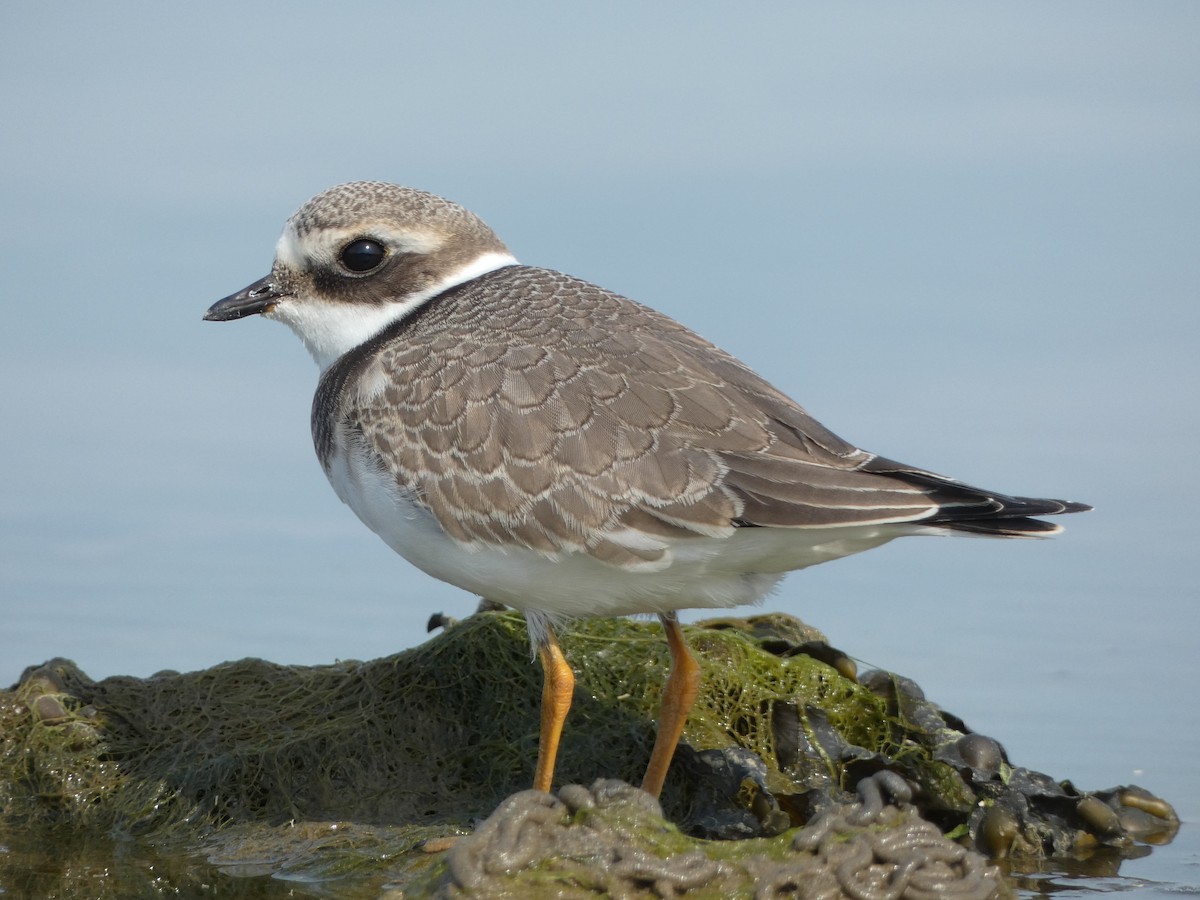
557, 688
679, 693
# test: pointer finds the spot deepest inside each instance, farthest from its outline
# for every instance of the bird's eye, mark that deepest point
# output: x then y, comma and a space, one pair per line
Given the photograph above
362, 255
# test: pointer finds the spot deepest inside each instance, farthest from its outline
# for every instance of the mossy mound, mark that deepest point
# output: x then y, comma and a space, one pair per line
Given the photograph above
341, 774
611, 841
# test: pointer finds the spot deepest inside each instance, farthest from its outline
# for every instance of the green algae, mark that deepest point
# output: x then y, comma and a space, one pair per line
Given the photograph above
345, 776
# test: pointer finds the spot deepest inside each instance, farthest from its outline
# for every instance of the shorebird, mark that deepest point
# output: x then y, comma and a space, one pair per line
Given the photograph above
557, 447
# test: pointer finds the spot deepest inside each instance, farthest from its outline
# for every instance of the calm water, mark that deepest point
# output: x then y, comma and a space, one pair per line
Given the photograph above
963, 237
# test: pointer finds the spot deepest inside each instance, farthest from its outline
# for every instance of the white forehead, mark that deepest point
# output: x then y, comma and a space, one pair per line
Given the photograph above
296, 250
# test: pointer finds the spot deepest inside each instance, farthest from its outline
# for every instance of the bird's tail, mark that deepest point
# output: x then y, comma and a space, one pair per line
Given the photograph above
964, 508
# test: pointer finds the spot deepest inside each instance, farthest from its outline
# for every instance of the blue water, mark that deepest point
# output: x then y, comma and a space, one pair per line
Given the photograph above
964, 238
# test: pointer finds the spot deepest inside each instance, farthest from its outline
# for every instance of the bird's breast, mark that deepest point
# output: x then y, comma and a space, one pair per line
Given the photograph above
703, 572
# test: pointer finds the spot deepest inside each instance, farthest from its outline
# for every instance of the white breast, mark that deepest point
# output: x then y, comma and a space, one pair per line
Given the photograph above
703, 571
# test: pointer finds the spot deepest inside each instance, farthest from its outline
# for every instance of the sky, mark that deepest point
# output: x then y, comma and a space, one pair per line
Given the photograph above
962, 235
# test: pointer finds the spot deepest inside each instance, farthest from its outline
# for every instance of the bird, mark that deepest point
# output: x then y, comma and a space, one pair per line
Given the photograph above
557, 447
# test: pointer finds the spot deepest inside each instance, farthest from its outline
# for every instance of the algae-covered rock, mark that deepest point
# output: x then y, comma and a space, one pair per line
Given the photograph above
356, 775
611, 841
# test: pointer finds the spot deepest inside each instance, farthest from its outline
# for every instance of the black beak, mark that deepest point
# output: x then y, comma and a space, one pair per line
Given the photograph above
257, 298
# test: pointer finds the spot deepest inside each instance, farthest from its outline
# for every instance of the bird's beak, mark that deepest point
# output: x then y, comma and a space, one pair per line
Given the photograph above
256, 298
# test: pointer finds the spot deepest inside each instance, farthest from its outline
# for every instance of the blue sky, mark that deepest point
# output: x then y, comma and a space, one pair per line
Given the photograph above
963, 235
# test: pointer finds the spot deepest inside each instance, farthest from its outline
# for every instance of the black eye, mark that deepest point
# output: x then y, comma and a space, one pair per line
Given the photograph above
362, 255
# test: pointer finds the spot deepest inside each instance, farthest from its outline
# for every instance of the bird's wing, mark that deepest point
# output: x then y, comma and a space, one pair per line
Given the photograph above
533, 408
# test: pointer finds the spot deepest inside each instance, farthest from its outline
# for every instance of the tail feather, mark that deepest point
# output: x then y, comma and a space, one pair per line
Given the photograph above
1018, 527
962, 507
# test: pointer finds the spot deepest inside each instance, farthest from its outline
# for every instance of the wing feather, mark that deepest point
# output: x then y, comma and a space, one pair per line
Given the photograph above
615, 433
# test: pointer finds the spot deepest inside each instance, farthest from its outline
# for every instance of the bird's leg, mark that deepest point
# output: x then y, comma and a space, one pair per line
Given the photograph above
558, 685
679, 693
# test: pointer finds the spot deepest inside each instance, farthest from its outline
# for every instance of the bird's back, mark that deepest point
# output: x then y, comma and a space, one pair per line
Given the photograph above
527, 406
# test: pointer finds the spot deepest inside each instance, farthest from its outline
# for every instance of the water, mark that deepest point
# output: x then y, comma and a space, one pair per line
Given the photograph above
963, 238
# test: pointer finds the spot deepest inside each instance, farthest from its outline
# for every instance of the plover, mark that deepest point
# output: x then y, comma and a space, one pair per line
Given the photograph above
552, 445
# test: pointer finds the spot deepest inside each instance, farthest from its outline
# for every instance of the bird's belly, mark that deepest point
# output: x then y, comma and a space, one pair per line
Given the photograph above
701, 572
